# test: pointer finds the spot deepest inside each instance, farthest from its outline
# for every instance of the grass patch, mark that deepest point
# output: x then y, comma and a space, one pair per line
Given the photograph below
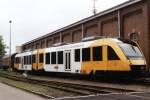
37, 88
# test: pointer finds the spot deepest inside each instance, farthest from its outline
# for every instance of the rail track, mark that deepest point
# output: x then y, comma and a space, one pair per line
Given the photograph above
143, 81
80, 89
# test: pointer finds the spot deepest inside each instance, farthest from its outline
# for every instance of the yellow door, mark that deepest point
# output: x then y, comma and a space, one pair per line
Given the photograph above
40, 59
34, 60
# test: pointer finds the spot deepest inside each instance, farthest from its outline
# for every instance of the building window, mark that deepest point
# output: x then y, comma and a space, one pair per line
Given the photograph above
47, 58
53, 58
33, 59
60, 57
86, 54
112, 54
77, 55
97, 53
41, 58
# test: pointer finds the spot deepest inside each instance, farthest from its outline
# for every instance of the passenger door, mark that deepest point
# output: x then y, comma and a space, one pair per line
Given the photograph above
34, 60
68, 60
40, 59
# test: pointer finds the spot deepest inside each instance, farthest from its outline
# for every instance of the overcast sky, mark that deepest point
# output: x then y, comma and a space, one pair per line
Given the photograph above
34, 18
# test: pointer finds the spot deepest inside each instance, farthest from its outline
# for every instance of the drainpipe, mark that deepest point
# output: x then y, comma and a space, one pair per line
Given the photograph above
60, 37
82, 31
119, 24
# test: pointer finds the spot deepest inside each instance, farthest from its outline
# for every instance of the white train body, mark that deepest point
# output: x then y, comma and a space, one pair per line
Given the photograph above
69, 64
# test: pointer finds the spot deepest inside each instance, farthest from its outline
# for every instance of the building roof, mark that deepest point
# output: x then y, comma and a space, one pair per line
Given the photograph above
118, 7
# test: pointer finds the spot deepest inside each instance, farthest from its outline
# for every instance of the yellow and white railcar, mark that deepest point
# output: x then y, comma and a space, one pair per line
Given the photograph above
101, 55
94, 56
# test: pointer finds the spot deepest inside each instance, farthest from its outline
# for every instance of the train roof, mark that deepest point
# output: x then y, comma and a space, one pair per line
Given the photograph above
23, 53
83, 44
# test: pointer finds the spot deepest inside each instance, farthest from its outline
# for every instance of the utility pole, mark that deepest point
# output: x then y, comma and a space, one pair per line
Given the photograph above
10, 45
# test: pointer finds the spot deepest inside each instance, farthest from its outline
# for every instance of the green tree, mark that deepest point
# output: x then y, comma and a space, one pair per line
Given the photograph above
2, 47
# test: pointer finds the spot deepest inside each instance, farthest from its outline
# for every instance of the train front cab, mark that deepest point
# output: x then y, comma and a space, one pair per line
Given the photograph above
108, 57
38, 60
135, 57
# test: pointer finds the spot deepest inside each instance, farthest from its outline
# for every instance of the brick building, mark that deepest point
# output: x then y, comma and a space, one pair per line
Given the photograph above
122, 21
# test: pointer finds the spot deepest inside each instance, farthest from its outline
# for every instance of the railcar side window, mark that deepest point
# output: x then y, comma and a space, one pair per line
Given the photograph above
77, 55
41, 58
97, 53
33, 59
16, 60
112, 54
19, 60
86, 54
53, 58
24, 60
27, 58
60, 57
30, 59
47, 58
